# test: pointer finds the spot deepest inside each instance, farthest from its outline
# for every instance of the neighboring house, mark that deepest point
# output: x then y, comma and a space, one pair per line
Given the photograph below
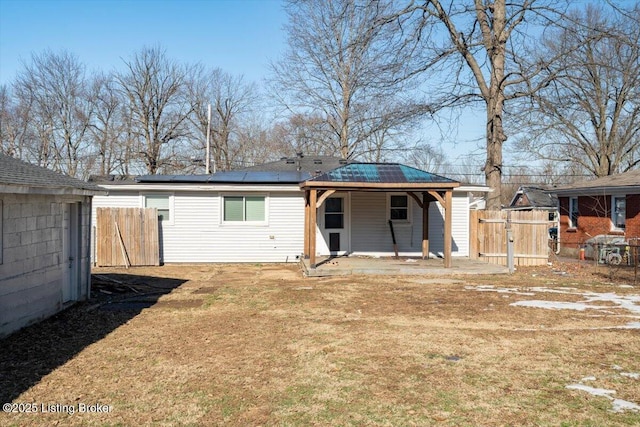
258, 214
609, 205
44, 242
534, 199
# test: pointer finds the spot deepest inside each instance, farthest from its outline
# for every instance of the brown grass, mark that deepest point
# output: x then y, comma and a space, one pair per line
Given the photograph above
259, 345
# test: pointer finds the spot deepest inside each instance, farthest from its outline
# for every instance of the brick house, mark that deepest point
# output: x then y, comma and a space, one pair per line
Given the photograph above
609, 205
45, 228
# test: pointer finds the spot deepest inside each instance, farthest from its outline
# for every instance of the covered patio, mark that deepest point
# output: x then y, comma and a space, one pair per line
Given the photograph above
348, 265
421, 186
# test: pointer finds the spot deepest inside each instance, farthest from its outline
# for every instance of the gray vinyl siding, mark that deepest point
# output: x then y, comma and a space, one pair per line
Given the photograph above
370, 231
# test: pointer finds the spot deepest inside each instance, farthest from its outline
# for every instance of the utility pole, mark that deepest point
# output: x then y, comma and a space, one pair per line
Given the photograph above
208, 155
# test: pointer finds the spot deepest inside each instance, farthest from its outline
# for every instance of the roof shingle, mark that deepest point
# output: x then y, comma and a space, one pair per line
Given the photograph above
15, 172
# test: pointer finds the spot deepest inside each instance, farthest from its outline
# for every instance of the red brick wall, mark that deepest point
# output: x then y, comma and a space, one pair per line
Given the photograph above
633, 216
594, 218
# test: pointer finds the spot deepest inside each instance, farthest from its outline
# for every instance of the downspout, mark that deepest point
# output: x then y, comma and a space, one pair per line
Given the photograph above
558, 233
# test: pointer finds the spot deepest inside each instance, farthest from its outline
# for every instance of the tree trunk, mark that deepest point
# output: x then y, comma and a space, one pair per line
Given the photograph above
495, 141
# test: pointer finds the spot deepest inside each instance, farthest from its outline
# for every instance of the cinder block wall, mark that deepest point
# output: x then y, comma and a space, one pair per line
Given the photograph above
31, 271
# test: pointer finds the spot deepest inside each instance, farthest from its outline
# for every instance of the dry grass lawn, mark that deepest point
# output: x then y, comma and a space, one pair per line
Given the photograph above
249, 345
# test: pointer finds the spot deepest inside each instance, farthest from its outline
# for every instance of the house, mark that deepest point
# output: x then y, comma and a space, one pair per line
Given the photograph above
534, 198
44, 242
605, 206
261, 214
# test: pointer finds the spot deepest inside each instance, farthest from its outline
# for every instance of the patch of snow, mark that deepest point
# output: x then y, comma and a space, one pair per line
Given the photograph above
590, 378
631, 325
592, 390
556, 305
620, 405
616, 367
490, 288
634, 375
627, 302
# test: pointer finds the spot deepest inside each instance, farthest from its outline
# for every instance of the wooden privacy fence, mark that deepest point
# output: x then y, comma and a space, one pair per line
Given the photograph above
530, 231
127, 237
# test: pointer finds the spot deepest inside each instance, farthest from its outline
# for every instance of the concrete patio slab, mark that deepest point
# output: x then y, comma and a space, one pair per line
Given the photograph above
348, 265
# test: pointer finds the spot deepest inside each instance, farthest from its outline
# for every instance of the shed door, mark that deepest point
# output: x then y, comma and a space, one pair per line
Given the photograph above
71, 260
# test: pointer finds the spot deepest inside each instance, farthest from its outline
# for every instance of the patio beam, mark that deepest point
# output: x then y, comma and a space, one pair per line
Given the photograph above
396, 186
325, 195
415, 197
436, 195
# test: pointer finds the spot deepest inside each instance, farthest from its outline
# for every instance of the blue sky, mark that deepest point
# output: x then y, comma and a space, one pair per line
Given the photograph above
239, 36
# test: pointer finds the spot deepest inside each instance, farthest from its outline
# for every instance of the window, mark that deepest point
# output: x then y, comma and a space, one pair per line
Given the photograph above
573, 212
398, 208
619, 211
244, 209
162, 202
334, 213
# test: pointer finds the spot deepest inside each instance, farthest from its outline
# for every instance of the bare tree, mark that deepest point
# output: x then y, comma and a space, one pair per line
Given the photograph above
54, 87
14, 126
110, 148
590, 114
340, 64
154, 89
482, 46
232, 101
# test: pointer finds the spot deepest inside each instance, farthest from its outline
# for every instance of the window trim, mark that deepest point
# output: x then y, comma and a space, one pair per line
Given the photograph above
171, 196
244, 223
409, 219
613, 212
577, 206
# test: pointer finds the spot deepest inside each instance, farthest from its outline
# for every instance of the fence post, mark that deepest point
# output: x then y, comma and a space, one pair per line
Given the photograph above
509, 243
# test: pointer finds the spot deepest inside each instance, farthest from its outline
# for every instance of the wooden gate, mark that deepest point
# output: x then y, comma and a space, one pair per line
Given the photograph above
127, 237
530, 230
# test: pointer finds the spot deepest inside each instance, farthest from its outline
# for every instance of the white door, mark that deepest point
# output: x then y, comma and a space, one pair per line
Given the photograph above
334, 220
71, 249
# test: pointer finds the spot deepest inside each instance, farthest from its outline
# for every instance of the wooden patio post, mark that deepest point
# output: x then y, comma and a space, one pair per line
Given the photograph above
448, 217
313, 197
425, 226
306, 225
